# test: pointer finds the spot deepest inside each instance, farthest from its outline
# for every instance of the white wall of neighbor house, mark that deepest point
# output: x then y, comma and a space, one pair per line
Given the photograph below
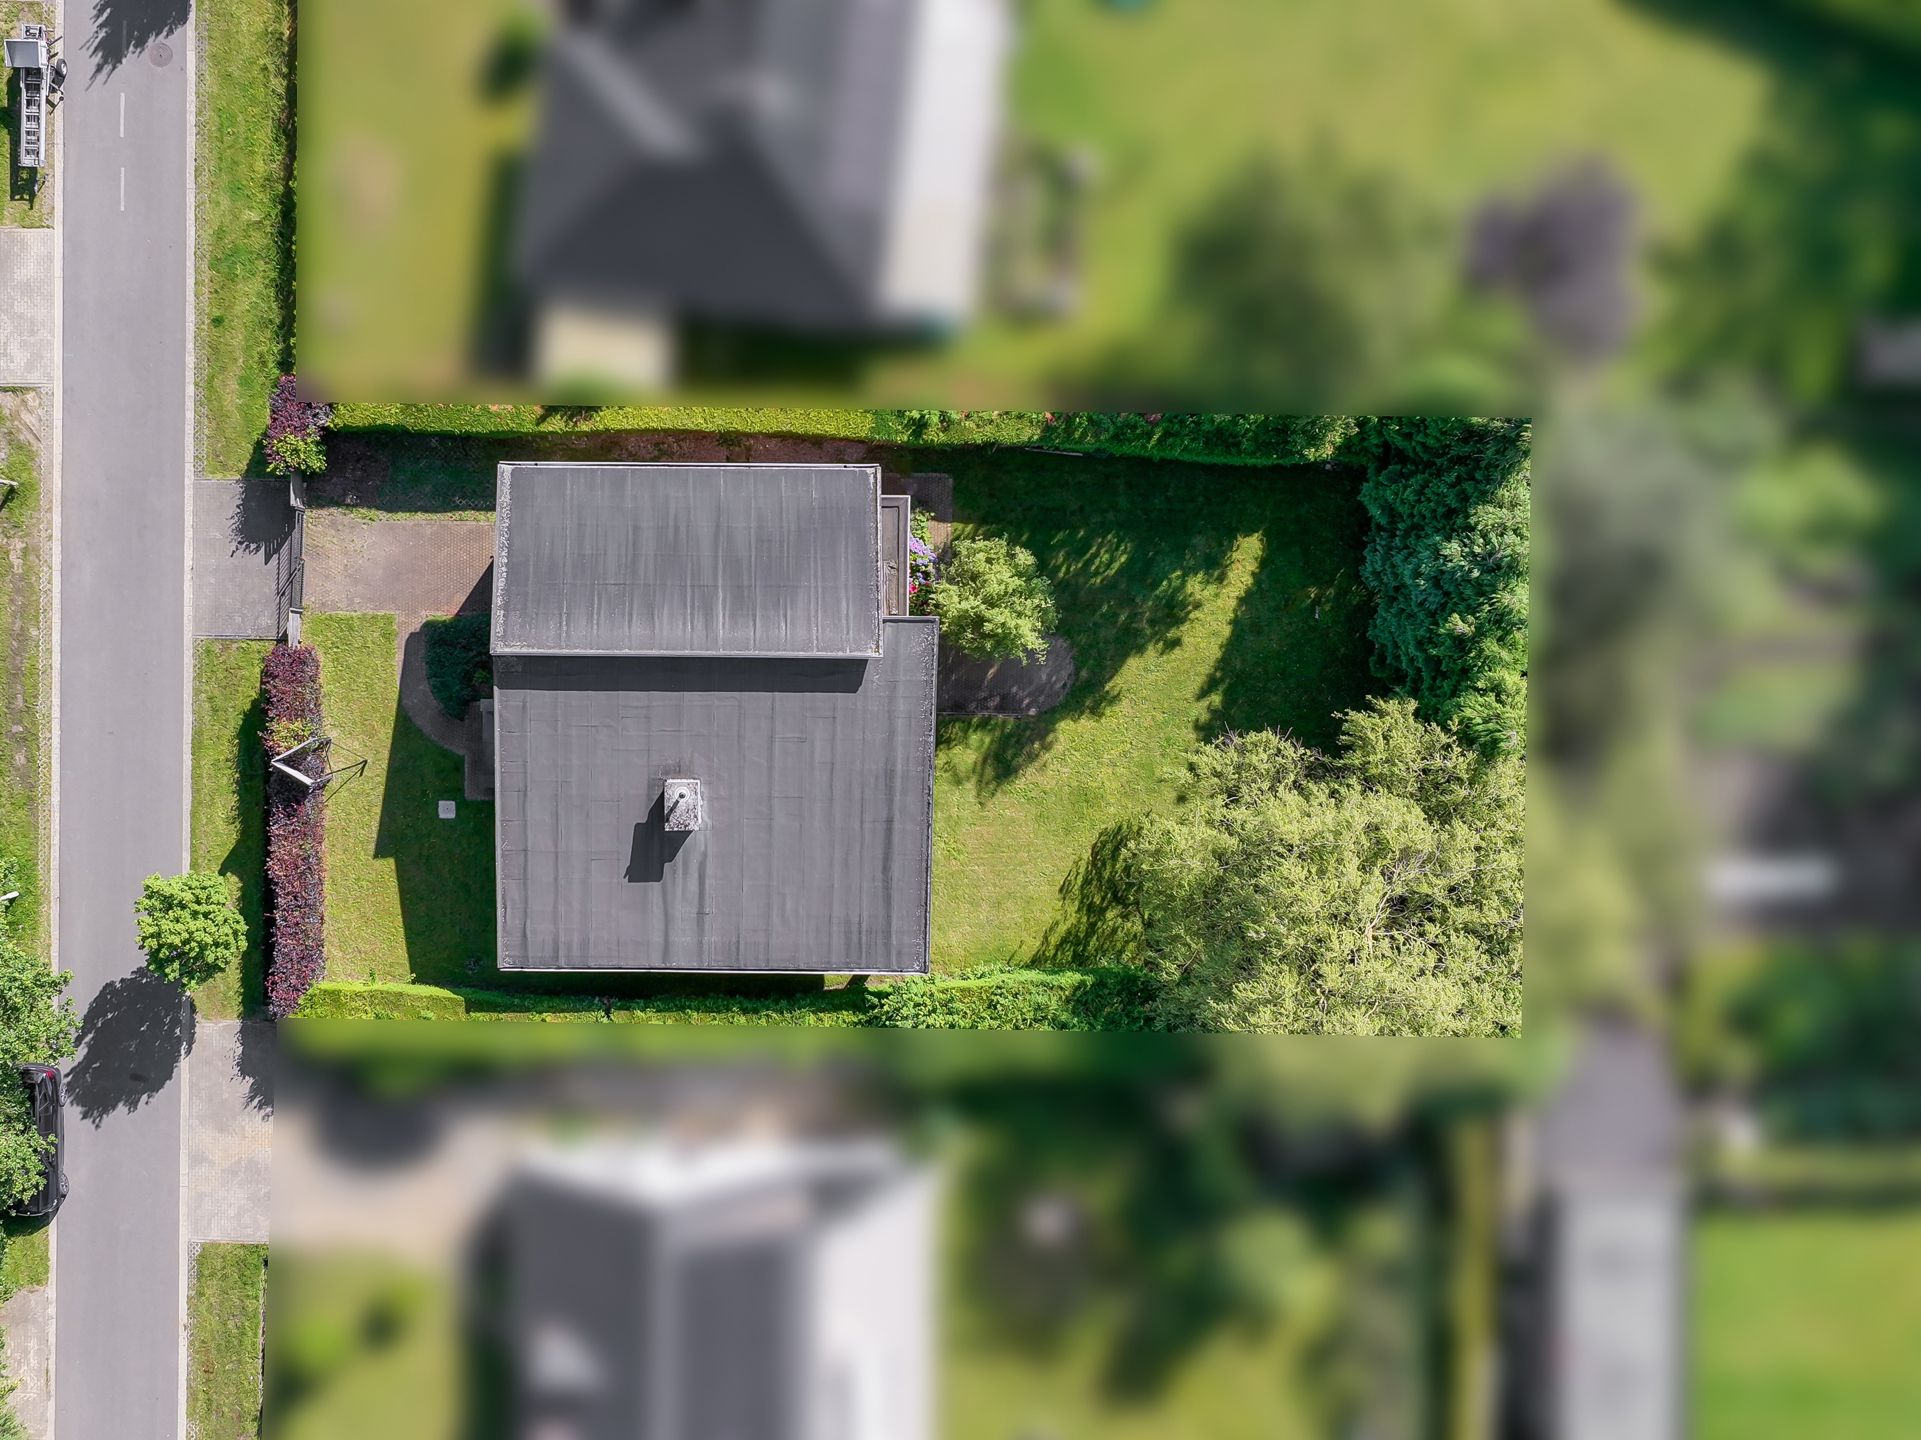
872, 1283
635, 347
951, 127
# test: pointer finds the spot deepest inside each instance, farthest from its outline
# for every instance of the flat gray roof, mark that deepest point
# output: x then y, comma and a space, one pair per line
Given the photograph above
710, 560
817, 780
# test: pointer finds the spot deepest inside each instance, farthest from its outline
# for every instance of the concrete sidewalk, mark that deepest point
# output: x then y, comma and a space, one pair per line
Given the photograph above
27, 306
227, 1166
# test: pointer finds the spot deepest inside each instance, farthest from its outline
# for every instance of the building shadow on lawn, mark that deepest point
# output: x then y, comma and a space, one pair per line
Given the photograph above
132, 1040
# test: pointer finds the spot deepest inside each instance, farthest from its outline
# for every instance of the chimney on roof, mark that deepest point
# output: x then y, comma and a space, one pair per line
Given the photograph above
681, 805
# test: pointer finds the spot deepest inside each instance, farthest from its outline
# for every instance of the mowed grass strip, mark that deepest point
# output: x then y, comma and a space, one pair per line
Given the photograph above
23, 739
244, 224
1797, 1330
225, 1312
409, 896
229, 805
1197, 599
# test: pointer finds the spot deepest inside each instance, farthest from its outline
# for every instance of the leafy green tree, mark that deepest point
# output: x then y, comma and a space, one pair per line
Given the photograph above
37, 1027
1372, 892
992, 600
189, 926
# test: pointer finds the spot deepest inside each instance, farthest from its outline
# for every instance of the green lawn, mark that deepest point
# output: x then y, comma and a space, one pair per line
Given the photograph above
1801, 1328
225, 1312
409, 896
28, 198
26, 1257
244, 223
1197, 599
23, 740
229, 804
1450, 100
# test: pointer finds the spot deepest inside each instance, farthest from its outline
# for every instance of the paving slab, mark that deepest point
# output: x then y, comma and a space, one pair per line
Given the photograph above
26, 305
227, 1151
400, 567
243, 554
27, 1319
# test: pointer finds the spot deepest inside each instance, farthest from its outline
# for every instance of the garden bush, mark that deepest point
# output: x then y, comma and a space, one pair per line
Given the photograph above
460, 662
296, 831
1447, 560
292, 443
332, 1000
189, 926
992, 600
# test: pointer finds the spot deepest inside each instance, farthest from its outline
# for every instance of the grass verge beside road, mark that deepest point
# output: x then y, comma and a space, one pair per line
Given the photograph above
27, 201
409, 896
23, 738
229, 805
225, 1313
244, 224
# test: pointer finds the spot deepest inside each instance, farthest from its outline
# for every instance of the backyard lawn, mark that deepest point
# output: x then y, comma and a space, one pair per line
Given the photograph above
409, 896
225, 1311
229, 804
1798, 1330
243, 225
1197, 599
1451, 101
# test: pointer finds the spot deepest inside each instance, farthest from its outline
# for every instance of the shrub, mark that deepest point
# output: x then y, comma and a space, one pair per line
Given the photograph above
331, 1000
296, 832
992, 600
1212, 439
292, 442
1447, 559
189, 926
460, 664
1010, 999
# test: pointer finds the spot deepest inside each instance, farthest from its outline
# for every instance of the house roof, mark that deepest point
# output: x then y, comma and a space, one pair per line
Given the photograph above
697, 560
817, 777
736, 158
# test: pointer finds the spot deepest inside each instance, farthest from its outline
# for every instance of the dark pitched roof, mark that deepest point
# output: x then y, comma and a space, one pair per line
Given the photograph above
687, 560
734, 158
818, 788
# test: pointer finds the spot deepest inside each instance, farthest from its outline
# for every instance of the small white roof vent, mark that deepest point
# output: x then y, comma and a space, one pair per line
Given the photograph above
682, 804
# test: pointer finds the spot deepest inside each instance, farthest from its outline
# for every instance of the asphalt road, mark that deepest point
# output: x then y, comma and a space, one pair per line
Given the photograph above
126, 133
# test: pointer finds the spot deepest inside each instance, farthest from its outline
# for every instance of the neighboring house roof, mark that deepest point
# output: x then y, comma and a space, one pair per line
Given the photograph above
815, 772
687, 560
767, 161
792, 1303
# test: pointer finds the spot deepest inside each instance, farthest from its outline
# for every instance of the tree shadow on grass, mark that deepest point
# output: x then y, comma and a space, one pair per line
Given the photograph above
132, 1040
1099, 922
1298, 652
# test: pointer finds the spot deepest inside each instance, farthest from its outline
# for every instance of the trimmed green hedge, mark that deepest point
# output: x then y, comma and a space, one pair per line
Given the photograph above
1094, 999
1000, 999
1213, 439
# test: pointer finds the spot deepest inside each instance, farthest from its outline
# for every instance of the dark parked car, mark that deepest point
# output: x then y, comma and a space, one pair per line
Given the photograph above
42, 1083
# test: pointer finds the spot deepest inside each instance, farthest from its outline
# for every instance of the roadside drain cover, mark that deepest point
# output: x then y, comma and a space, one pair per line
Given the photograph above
160, 53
